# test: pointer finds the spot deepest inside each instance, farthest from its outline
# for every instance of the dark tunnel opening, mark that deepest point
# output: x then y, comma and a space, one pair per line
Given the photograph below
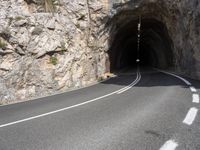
155, 46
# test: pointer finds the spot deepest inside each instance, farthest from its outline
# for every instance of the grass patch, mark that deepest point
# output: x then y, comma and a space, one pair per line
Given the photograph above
2, 44
99, 79
53, 60
17, 18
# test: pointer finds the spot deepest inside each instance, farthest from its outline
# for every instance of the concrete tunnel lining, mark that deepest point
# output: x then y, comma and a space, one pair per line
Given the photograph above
155, 47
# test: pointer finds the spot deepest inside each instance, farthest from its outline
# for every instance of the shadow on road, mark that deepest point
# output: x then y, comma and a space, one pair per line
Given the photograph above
150, 78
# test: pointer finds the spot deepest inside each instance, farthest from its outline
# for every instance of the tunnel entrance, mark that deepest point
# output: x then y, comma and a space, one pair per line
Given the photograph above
155, 46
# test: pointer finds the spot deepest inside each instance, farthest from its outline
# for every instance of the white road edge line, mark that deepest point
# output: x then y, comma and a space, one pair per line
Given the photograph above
193, 89
191, 115
184, 80
66, 108
195, 98
169, 145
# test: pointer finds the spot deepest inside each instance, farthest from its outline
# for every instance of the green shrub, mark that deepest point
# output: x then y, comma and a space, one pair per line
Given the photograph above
99, 79
17, 18
53, 60
2, 44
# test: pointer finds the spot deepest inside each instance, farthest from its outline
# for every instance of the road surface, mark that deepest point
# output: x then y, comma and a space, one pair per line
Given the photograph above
142, 110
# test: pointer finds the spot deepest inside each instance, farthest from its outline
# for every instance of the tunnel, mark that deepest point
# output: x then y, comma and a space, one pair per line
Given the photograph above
155, 49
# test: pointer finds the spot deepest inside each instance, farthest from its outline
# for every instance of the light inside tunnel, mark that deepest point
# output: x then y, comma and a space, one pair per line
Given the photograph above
155, 45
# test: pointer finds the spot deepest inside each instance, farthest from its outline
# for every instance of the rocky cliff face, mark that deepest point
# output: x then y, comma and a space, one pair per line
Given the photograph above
46, 48
43, 52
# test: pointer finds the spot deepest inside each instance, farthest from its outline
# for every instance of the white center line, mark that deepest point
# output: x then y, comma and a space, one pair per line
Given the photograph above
191, 115
193, 89
66, 108
169, 145
133, 84
195, 98
128, 85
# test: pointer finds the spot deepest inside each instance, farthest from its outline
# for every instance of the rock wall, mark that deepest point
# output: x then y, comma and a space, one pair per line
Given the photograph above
48, 49
44, 52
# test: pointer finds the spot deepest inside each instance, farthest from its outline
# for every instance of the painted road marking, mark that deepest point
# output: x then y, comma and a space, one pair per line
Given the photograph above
134, 83
129, 84
184, 80
169, 145
193, 89
66, 108
195, 98
191, 115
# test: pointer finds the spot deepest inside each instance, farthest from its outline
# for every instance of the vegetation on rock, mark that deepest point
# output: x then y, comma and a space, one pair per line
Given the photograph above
53, 60
17, 18
2, 44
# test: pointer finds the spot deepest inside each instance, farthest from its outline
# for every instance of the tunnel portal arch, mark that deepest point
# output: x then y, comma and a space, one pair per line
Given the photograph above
156, 46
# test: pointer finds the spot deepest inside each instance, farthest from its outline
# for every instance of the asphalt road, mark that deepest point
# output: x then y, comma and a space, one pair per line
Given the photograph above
152, 111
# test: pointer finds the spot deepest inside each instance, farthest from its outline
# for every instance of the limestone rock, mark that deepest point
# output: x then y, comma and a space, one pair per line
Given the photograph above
20, 22
51, 24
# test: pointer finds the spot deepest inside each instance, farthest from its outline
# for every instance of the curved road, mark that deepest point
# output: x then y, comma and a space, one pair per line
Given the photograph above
145, 110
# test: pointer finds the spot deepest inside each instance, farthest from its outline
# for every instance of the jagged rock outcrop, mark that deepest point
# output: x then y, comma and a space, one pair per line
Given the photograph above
45, 52
45, 49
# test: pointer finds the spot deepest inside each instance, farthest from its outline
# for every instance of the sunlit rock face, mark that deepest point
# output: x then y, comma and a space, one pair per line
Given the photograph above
46, 49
